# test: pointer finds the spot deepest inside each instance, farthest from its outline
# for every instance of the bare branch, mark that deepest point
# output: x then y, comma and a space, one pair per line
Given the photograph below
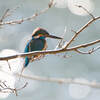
80, 30
84, 45
63, 49
23, 86
92, 84
51, 51
30, 18
61, 80
4, 16
89, 52
7, 89
86, 10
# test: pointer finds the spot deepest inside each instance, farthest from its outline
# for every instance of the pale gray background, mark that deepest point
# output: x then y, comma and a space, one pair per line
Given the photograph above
84, 66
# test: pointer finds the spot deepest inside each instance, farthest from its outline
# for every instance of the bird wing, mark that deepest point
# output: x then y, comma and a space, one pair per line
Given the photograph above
27, 46
34, 45
27, 59
37, 45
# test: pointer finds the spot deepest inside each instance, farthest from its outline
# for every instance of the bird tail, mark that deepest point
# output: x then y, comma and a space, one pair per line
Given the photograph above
26, 62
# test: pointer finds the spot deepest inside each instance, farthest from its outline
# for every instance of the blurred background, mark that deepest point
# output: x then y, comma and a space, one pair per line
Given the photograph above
54, 20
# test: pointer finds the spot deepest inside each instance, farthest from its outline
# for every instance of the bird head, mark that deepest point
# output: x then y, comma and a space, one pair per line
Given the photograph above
42, 33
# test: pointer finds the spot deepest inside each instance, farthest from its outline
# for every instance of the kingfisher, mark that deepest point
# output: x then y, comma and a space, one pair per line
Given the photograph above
37, 43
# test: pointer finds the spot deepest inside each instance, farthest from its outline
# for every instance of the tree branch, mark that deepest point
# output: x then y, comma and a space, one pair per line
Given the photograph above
4, 16
50, 5
61, 80
4, 88
51, 51
80, 30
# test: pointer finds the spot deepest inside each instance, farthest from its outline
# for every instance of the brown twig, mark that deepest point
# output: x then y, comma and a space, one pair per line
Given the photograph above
84, 45
81, 52
86, 11
7, 89
9, 64
60, 44
30, 18
4, 16
80, 30
88, 52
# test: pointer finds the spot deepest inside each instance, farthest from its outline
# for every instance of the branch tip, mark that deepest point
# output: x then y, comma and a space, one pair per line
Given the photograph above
86, 10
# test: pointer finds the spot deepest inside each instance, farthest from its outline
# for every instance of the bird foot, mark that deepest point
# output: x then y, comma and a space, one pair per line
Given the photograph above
39, 57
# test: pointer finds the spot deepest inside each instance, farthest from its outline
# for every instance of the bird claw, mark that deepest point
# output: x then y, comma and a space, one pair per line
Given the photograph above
39, 57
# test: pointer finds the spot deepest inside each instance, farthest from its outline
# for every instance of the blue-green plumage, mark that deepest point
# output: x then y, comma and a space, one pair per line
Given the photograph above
26, 61
37, 43
34, 45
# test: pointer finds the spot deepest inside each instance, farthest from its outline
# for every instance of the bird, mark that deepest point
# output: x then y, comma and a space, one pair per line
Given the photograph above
37, 43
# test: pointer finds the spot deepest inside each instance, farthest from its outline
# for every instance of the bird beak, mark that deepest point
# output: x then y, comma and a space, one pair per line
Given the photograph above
55, 37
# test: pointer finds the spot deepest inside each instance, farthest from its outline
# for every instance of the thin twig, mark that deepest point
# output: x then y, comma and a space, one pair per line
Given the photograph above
86, 11
30, 18
4, 16
22, 86
81, 52
59, 45
88, 52
80, 30
9, 64
84, 45
7, 89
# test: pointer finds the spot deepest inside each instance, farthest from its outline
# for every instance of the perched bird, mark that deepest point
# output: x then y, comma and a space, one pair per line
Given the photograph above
37, 43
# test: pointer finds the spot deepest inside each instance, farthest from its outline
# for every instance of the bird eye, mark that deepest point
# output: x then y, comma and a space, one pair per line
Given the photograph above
40, 35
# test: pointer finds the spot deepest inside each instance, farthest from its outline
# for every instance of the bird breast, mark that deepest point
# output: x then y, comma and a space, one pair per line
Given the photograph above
37, 45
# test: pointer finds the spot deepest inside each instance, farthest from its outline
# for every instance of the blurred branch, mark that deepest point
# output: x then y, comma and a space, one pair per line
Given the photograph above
4, 88
61, 80
92, 84
86, 11
12, 22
